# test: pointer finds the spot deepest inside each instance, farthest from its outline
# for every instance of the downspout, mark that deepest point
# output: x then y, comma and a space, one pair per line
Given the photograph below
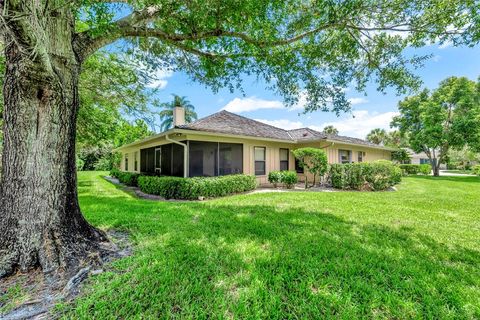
185, 154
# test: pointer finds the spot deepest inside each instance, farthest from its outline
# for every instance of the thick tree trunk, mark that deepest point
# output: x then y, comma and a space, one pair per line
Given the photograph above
41, 225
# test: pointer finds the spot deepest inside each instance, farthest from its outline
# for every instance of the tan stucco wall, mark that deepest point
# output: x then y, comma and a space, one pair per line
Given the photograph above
272, 151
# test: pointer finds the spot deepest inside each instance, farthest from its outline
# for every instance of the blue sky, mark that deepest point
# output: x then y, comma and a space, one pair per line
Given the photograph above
369, 111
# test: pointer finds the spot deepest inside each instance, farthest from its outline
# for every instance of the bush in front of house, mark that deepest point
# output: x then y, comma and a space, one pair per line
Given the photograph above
476, 170
127, 178
289, 178
114, 173
194, 188
312, 160
274, 177
414, 169
408, 169
425, 169
374, 176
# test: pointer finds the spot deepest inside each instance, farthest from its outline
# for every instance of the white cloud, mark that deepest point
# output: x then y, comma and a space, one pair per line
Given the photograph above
360, 123
446, 44
239, 105
283, 123
358, 100
158, 78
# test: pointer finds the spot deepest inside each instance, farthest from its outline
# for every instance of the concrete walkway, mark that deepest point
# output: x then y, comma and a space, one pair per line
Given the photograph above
444, 173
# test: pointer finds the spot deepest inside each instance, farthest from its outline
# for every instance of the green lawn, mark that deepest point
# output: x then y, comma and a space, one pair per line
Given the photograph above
414, 253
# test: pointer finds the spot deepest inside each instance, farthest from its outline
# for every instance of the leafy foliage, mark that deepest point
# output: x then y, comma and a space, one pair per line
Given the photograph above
316, 47
312, 160
375, 176
127, 178
401, 156
193, 188
330, 130
476, 170
448, 117
288, 178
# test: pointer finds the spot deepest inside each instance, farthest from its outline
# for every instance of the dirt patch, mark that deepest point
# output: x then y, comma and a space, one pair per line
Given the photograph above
32, 295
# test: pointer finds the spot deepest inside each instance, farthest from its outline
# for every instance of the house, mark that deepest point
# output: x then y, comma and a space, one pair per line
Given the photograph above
422, 158
226, 143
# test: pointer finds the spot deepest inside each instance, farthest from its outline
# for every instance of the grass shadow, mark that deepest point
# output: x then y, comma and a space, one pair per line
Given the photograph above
197, 260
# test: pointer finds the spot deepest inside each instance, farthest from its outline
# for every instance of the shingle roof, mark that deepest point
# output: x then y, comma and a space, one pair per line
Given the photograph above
230, 123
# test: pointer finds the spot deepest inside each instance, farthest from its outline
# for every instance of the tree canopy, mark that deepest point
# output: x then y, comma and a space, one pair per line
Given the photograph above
330, 130
316, 47
446, 118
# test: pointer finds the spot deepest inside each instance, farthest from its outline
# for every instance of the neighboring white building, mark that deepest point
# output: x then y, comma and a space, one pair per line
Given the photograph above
421, 158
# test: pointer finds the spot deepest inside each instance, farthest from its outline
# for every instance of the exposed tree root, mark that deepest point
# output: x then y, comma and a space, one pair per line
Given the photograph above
47, 289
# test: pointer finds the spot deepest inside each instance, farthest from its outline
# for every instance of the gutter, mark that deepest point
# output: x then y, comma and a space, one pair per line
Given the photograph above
185, 154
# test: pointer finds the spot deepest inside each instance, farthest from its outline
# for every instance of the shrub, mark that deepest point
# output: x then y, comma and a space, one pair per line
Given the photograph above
128, 178
193, 188
425, 169
312, 160
114, 173
410, 168
364, 176
476, 170
289, 178
274, 177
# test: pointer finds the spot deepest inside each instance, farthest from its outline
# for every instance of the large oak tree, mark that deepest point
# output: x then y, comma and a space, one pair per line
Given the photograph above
313, 48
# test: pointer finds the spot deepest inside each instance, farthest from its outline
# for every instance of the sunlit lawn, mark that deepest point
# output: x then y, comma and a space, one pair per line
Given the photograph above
414, 253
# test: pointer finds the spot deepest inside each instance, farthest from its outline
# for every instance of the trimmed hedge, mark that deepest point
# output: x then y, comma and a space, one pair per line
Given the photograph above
193, 188
410, 168
414, 169
288, 178
425, 169
127, 178
476, 169
364, 176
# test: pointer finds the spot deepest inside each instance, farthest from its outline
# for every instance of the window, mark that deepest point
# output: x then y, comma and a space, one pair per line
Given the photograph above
345, 156
209, 159
126, 161
135, 162
361, 155
260, 157
424, 161
298, 168
283, 159
230, 158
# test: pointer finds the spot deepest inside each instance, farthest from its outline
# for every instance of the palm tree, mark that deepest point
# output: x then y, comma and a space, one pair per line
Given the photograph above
166, 115
377, 136
330, 130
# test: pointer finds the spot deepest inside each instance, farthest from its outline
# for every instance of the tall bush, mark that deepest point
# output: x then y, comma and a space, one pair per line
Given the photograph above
364, 176
312, 160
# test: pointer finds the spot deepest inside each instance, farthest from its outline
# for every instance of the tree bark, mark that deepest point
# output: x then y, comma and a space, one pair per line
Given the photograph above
41, 225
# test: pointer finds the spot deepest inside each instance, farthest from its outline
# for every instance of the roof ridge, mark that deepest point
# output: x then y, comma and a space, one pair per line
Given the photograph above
250, 119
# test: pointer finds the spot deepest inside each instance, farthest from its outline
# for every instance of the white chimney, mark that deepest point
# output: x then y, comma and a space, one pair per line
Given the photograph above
178, 116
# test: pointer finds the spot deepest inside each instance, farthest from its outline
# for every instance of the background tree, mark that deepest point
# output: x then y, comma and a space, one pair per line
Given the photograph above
401, 156
377, 136
317, 47
312, 160
166, 115
446, 118
463, 158
330, 130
